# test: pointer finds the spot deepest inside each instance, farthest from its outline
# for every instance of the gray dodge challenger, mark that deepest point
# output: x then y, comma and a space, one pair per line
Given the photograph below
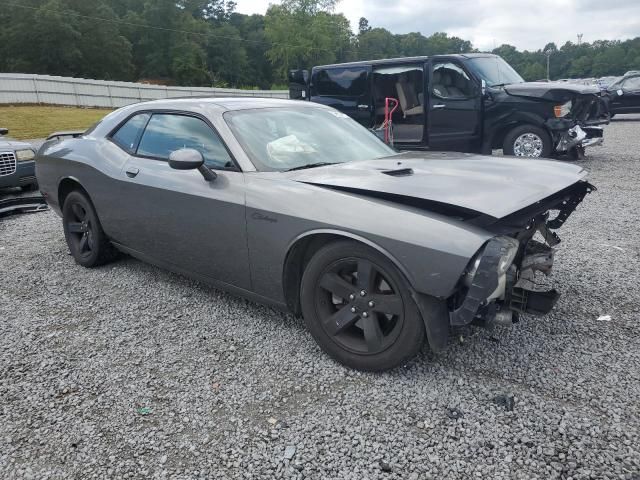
296, 205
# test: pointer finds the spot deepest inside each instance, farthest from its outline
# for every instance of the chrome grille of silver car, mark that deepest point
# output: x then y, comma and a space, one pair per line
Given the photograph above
7, 163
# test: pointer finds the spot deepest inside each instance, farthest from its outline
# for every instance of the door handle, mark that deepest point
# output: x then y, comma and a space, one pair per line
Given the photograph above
363, 107
132, 172
438, 106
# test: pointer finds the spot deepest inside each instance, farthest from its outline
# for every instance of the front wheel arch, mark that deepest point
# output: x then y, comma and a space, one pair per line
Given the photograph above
433, 311
302, 248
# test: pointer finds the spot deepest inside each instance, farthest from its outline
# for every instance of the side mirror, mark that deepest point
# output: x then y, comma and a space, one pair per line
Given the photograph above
190, 159
483, 87
4, 131
620, 92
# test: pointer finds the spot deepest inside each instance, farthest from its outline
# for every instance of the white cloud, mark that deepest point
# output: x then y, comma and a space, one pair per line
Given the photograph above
527, 24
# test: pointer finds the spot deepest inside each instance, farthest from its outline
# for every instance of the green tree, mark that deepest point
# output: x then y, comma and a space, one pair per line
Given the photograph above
304, 33
377, 43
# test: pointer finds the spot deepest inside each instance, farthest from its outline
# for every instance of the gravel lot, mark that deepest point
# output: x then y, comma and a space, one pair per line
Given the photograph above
130, 372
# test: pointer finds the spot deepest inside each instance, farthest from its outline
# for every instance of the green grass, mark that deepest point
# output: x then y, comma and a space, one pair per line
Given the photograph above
34, 121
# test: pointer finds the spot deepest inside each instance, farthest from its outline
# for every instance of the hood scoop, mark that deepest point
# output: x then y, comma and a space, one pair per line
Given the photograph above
400, 172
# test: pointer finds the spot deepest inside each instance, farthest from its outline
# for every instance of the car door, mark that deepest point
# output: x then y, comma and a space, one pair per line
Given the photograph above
347, 89
176, 217
454, 109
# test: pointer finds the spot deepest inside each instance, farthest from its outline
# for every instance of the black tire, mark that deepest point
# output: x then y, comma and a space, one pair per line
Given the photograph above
87, 242
510, 148
386, 329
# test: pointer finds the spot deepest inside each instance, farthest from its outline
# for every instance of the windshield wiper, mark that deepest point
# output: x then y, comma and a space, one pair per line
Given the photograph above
312, 165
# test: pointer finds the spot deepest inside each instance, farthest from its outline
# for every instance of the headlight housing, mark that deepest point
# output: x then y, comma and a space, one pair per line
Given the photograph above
562, 110
24, 155
509, 251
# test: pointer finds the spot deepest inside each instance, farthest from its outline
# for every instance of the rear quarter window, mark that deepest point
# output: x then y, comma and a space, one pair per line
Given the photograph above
127, 136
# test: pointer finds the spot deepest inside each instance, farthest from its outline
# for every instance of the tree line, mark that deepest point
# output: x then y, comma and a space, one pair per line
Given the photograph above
206, 42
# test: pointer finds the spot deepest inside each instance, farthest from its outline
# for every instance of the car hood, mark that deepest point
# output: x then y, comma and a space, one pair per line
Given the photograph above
6, 144
494, 186
552, 91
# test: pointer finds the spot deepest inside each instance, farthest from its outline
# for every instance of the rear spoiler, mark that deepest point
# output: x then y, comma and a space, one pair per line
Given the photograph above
62, 135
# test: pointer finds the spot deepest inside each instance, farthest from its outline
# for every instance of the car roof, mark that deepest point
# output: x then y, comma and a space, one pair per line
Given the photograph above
224, 103
397, 60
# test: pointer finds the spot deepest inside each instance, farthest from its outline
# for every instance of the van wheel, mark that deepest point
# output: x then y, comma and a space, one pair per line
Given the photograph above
527, 141
358, 307
87, 242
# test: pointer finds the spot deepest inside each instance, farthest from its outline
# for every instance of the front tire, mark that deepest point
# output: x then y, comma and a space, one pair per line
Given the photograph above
87, 242
527, 141
358, 307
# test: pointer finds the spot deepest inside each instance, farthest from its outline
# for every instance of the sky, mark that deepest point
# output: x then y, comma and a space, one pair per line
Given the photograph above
527, 24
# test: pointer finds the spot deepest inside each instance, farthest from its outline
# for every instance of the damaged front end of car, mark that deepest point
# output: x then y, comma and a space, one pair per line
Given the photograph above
501, 280
574, 114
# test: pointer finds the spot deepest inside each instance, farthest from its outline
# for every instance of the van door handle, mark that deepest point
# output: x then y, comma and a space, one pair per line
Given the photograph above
363, 107
132, 172
438, 106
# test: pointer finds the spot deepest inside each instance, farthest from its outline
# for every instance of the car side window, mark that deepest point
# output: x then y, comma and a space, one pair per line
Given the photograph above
632, 84
449, 80
167, 132
129, 133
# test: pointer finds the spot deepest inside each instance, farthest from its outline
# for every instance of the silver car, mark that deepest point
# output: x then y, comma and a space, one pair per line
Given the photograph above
17, 168
296, 205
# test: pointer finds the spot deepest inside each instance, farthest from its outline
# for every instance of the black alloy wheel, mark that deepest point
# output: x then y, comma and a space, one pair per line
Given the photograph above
80, 230
358, 307
87, 241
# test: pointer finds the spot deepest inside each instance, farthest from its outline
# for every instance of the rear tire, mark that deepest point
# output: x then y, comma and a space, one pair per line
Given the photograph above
87, 242
358, 307
527, 141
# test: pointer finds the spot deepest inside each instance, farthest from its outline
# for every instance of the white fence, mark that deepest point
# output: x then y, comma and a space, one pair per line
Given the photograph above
23, 88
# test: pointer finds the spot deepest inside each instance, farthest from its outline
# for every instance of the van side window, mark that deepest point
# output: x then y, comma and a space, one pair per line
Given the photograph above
451, 81
341, 82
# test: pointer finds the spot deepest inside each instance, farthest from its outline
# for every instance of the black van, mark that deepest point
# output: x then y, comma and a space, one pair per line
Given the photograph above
463, 102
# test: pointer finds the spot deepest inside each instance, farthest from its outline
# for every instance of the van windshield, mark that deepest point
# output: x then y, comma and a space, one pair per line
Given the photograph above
495, 71
278, 139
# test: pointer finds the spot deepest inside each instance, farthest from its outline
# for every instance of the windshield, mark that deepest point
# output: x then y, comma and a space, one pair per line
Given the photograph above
277, 139
495, 71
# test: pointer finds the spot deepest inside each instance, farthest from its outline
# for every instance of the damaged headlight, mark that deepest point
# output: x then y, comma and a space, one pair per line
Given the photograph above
24, 155
509, 251
562, 110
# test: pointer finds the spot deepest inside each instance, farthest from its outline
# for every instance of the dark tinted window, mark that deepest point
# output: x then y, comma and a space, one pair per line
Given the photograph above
168, 132
341, 82
129, 133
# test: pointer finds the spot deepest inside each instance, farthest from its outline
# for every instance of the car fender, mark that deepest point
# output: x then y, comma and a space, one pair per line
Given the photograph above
356, 237
501, 125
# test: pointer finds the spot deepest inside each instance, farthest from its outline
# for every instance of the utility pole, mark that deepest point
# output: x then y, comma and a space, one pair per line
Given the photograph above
548, 54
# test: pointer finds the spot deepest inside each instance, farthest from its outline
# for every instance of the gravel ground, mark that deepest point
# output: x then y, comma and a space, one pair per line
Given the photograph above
130, 372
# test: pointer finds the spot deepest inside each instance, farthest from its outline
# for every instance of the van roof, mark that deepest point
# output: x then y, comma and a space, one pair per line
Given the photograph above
395, 61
